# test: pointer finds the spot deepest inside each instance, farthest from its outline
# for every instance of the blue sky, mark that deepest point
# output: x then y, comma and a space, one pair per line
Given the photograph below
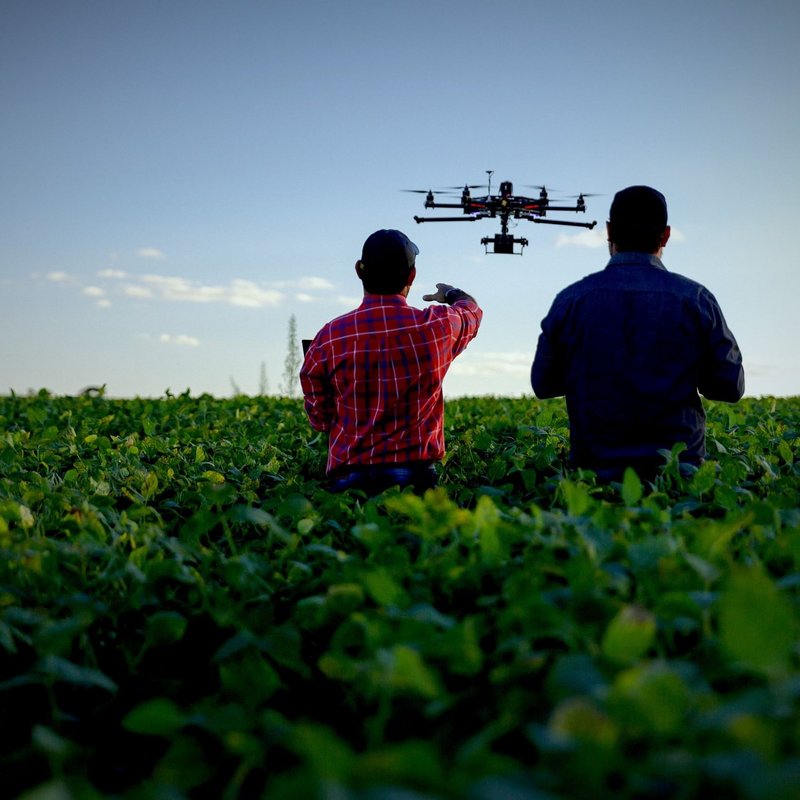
180, 177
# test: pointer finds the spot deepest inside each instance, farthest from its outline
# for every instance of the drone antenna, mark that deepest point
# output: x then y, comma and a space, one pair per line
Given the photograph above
490, 172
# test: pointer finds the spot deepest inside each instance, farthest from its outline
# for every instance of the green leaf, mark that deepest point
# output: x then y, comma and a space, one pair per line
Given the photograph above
343, 598
404, 670
758, 624
381, 587
652, 697
629, 635
631, 487
578, 719
251, 678
323, 751
411, 761
486, 518
62, 670
704, 478
463, 650
165, 627
576, 497
157, 717
339, 666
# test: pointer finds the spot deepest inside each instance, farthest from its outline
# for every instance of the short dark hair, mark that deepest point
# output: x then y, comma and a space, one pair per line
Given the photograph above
637, 219
387, 258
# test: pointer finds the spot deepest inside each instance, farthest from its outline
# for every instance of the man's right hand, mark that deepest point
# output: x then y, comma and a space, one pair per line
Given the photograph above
441, 290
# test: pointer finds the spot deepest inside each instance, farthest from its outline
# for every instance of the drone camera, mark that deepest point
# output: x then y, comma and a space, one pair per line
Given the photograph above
503, 243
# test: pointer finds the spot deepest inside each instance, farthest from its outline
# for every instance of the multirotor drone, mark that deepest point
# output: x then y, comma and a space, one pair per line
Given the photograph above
506, 205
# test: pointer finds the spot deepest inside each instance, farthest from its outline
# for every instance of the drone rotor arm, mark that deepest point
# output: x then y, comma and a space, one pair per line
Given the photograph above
449, 219
589, 225
567, 208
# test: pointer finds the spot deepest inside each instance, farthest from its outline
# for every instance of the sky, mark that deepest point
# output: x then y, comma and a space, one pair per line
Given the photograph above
181, 178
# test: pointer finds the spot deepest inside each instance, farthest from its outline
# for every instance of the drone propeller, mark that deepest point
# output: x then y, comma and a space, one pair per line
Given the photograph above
445, 191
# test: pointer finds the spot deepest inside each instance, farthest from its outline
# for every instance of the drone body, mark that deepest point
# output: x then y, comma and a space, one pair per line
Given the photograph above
505, 206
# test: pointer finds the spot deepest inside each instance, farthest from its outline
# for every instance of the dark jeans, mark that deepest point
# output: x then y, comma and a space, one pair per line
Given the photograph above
648, 469
375, 478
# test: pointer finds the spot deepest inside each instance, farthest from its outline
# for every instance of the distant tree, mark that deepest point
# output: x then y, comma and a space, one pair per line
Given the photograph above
263, 381
291, 366
235, 386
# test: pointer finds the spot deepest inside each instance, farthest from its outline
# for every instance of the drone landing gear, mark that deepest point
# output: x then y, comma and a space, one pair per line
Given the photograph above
503, 243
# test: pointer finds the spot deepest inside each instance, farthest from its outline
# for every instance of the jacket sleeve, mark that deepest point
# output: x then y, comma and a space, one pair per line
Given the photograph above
548, 378
721, 374
317, 390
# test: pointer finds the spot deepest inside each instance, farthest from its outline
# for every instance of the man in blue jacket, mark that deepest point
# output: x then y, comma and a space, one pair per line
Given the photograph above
631, 347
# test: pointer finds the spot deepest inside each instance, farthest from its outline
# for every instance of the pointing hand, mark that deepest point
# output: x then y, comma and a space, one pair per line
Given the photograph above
441, 290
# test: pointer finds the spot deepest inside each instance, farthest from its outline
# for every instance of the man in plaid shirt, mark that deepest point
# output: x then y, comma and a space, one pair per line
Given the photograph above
372, 378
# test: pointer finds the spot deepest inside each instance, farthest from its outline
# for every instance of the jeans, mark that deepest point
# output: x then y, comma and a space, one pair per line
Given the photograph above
375, 478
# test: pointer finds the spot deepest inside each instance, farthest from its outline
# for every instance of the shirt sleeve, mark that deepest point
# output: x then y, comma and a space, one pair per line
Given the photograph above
317, 390
722, 374
548, 378
467, 319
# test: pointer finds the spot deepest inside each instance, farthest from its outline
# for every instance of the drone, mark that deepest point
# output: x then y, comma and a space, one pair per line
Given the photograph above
506, 205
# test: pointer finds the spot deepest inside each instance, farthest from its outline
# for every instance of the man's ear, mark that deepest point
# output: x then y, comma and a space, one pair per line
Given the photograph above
360, 268
412, 273
665, 235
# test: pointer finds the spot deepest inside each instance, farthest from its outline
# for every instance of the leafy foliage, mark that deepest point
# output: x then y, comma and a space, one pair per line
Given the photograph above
185, 611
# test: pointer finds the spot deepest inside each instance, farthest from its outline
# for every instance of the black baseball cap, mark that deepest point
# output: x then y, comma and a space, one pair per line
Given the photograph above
389, 249
639, 207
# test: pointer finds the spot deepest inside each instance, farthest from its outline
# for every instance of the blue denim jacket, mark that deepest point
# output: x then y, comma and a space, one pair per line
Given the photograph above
631, 347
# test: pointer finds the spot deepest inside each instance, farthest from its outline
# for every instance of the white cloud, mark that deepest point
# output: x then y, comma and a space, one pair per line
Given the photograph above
139, 292
303, 297
309, 283
104, 303
312, 283
676, 236
493, 363
150, 252
180, 340
238, 292
247, 293
596, 237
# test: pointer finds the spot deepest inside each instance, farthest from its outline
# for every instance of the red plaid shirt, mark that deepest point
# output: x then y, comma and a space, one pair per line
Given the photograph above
372, 379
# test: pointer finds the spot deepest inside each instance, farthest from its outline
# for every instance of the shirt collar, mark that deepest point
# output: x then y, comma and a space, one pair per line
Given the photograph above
383, 300
636, 259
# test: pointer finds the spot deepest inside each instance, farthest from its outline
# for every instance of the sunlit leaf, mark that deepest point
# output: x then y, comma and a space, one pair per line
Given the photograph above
629, 635
631, 487
758, 625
